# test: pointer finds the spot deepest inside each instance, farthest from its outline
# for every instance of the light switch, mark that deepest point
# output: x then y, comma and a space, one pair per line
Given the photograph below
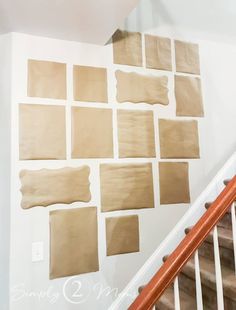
37, 251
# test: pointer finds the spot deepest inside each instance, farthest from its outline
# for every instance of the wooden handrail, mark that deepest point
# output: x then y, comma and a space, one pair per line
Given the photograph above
187, 247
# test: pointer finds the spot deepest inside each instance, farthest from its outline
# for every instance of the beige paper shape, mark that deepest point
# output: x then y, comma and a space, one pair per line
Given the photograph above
178, 139
42, 132
174, 182
90, 84
92, 133
136, 134
158, 52
127, 48
138, 88
73, 242
187, 57
46, 187
122, 234
47, 79
126, 186
188, 96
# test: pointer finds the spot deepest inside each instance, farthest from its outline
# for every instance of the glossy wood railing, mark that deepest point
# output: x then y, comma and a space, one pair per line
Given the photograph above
186, 249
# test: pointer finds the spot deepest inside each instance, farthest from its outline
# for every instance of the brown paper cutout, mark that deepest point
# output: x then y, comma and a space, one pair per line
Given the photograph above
42, 132
90, 84
73, 242
46, 187
174, 182
178, 139
122, 234
136, 134
47, 79
187, 57
138, 88
126, 186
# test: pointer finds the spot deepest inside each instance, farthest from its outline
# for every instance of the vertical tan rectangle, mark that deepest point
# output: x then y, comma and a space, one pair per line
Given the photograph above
138, 88
136, 134
178, 139
42, 132
188, 94
126, 186
187, 57
158, 52
90, 84
127, 48
47, 187
73, 242
122, 234
174, 182
47, 79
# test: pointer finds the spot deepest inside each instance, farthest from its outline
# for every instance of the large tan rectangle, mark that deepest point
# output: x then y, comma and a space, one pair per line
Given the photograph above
47, 186
126, 186
136, 134
178, 139
47, 79
73, 242
138, 88
187, 57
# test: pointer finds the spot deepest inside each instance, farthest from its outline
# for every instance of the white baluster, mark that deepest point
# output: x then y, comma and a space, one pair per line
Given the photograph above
234, 231
198, 282
176, 294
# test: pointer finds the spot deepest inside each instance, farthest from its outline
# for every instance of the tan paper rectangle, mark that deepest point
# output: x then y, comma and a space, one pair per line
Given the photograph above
126, 186
187, 57
122, 234
138, 88
136, 134
73, 242
47, 187
178, 139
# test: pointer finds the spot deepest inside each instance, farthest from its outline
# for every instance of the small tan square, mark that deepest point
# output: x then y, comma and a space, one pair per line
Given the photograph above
178, 139
174, 182
127, 48
90, 84
158, 52
73, 242
187, 57
136, 134
122, 234
92, 133
42, 132
46, 79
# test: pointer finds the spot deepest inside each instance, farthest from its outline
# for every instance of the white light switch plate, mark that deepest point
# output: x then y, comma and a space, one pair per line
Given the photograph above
37, 252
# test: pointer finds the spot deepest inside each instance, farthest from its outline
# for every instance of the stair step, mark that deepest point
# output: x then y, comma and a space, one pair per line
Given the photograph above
225, 238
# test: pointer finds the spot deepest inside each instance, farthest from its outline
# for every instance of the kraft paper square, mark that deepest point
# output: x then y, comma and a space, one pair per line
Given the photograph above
42, 132
188, 94
136, 134
126, 186
158, 52
47, 79
187, 57
174, 182
178, 139
122, 234
45, 187
92, 133
127, 48
90, 84
139, 88
73, 242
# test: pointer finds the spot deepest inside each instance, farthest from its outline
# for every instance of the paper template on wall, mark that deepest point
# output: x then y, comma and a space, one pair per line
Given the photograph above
158, 52
122, 234
42, 132
73, 242
47, 187
126, 186
187, 57
90, 84
188, 96
92, 133
136, 134
47, 79
138, 88
178, 139
127, 48
174, 182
